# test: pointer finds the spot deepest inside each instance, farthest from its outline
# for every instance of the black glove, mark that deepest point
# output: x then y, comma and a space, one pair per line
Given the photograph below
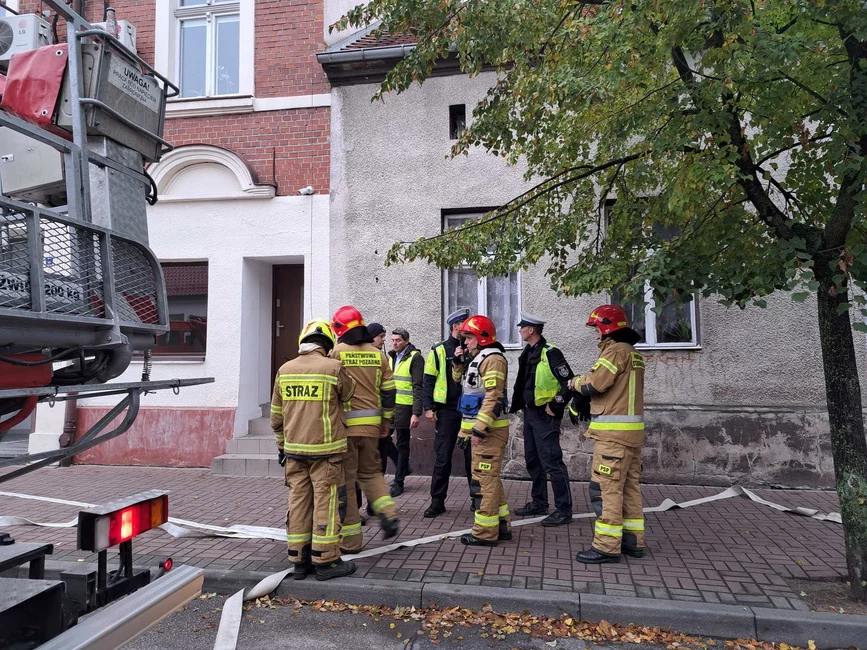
281, 457
463, 442
557, 406
579, 409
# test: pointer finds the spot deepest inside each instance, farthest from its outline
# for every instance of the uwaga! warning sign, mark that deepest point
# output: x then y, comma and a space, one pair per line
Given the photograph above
132, 82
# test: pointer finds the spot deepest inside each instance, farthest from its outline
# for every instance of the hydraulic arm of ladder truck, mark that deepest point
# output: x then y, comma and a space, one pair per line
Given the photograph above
81, 294
80, 291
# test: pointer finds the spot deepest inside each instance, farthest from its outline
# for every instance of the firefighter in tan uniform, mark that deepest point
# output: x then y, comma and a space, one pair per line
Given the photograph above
481, 368
307, 419
615, 390
368, 416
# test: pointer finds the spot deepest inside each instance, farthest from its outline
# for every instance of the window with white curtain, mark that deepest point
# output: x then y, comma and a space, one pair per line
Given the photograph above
208, 47
675, 326
497, 297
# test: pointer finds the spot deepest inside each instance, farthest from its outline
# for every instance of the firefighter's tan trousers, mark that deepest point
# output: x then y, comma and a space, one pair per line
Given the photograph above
492, 517
316, 501
362, 463
616, 497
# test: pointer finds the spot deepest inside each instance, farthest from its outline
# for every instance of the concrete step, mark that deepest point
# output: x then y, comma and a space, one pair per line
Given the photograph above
252, 445
260, 427
247, 465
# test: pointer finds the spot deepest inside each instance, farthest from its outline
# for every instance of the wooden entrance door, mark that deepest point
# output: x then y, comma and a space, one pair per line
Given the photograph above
288, 290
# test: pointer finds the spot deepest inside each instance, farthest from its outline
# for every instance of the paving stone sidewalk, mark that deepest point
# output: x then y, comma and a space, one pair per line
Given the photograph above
732, 551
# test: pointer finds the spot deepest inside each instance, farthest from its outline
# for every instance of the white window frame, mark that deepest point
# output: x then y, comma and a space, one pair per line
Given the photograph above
169, 15
481, 288
650, 342
10, 4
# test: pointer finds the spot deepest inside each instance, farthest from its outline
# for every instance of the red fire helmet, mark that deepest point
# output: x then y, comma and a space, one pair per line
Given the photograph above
482, 328
608, 318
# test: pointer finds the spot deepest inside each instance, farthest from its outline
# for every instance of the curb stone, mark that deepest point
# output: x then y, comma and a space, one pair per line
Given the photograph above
726, 621
502, 599
694, 618
827, 630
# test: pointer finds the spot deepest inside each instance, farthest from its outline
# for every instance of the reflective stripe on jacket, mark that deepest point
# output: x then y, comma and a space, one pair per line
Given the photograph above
374, 397
615, 385
306, 405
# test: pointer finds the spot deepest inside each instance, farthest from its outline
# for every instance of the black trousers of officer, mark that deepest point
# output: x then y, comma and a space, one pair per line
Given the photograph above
544, 457
399, 453
447, 429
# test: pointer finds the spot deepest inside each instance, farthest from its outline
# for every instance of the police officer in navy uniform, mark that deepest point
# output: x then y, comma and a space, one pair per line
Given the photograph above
542, 391
440, 398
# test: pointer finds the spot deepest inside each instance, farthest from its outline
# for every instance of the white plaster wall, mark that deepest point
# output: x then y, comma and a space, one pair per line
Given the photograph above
240, 239
390, 181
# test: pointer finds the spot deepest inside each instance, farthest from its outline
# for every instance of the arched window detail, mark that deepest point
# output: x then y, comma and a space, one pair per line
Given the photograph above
206, 173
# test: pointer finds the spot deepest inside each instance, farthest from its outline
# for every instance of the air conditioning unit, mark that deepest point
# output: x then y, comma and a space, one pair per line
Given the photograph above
21, 34
125, 34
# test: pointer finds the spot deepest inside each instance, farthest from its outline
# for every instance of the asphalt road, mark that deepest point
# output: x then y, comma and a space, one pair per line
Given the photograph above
302, 628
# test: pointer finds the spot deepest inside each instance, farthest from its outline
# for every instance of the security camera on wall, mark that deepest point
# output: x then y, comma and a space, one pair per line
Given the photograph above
306, 191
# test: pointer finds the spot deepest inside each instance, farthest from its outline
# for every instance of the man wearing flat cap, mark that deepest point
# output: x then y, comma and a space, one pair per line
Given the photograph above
542, 391
441, 396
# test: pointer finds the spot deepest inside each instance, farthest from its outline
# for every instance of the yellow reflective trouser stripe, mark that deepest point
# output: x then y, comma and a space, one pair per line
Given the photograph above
633, 524
606, 529
504, 510
617, 426
332, 512
299, 538
605, 363
632, 392
326, 539
487, 521
276, 409
350, 530
382, 502
324, 448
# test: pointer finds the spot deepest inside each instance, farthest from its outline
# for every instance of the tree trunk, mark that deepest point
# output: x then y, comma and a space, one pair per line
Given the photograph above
848, 443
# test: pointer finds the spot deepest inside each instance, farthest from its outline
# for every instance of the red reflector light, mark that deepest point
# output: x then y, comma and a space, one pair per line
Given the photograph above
167, 564
126, 524
105, 526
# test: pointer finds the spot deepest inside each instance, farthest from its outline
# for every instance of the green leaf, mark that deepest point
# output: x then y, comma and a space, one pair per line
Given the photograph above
800, 296
859, 326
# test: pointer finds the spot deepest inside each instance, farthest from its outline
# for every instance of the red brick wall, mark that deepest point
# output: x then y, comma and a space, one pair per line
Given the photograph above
288, 37
289, 147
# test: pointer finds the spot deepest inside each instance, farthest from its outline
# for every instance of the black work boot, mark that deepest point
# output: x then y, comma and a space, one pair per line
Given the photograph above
304, 567
397, 488
532, 510
436, 508
592, 556
469, 539
504, 534
557, 518
390, 527
336, 569
630, 546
